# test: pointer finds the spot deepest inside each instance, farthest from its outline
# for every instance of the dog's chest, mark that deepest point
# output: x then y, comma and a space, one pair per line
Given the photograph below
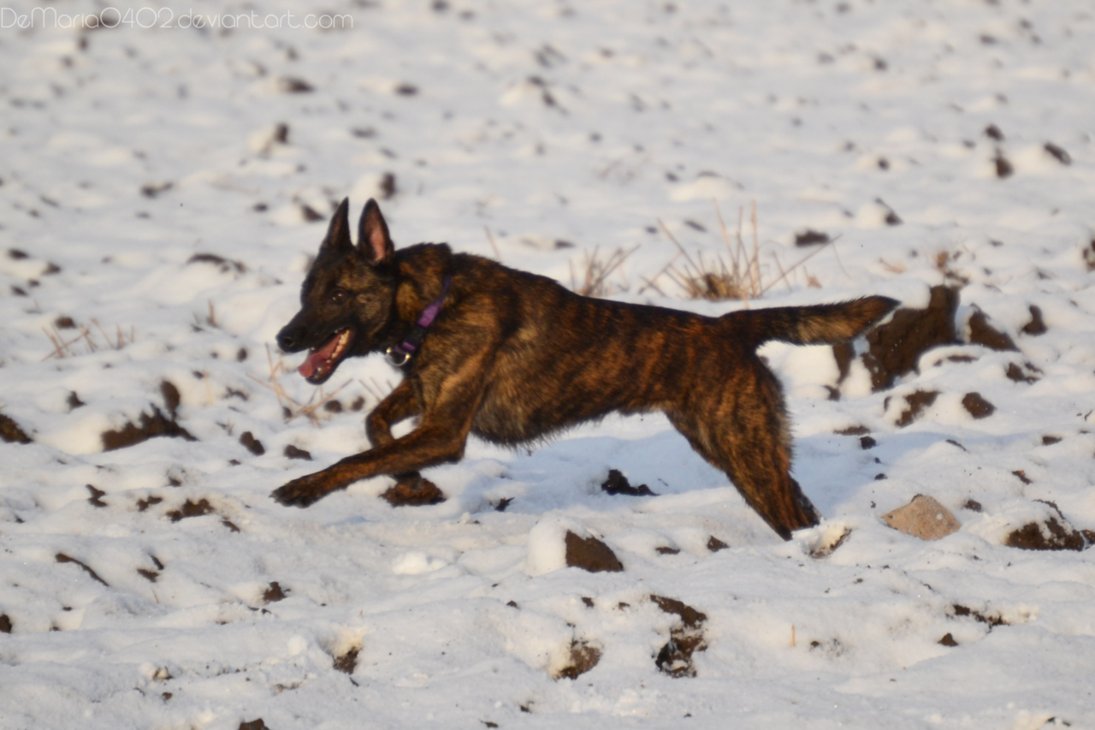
504, 418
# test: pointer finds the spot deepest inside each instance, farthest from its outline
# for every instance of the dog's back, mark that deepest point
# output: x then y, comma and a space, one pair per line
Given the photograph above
563, 358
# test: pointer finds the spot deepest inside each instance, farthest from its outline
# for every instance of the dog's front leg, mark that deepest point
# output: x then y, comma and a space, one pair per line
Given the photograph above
427, 446
401, 404
439, 438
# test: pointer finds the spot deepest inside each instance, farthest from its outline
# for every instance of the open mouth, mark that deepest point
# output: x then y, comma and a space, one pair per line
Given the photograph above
322, 360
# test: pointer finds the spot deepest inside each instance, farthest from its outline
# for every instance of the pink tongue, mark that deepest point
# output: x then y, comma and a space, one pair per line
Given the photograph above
316, 358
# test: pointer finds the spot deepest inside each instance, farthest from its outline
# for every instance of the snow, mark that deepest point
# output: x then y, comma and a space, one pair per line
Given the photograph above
148, 195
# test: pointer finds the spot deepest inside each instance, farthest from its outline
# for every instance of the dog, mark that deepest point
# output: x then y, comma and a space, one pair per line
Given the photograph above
512, 357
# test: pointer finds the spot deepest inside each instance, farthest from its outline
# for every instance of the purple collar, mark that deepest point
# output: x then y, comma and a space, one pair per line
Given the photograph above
400, 355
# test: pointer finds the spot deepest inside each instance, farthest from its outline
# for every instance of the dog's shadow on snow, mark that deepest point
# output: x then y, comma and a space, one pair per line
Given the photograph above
835, 471
569, 471
558, 474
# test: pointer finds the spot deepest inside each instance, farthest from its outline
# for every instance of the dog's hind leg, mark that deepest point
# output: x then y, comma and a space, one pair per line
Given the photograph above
743, 431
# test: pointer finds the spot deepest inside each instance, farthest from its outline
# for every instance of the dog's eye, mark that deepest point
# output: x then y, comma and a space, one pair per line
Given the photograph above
338, 296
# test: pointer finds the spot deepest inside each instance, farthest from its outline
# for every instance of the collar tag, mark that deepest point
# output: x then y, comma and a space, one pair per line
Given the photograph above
400, 355
397, 356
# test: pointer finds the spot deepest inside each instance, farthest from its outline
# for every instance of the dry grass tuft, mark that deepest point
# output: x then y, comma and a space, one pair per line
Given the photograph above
291, 407
88, 338
734, 275
595, 270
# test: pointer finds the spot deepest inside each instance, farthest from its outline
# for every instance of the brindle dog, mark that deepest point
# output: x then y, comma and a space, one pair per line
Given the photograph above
511, 357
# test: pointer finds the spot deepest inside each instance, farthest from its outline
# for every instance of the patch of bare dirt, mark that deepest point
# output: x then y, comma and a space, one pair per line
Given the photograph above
947, 640
252, 444
63, 558
1054, 532
895, 347
148, 574
583, 657
983, 333
295, 452
96, 496
1025, 373
151, 424
190, 508
617, 483
714, 544
171, 398
226, 266
417, 492
145, 502
976, 405
992, 620
810, 237
347, 661
916, 403
589, 553
1037, 325
200, 508
12, 432
274, 593
685, 638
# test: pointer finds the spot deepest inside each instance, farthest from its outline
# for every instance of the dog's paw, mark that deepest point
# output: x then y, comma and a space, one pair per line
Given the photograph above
302, 492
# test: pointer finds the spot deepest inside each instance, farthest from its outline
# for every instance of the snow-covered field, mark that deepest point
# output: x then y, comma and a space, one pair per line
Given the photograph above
166, 177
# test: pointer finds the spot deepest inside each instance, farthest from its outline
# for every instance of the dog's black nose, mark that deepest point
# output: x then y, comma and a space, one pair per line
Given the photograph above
289, 339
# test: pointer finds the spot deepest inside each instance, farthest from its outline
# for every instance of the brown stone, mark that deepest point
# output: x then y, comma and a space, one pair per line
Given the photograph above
924, 517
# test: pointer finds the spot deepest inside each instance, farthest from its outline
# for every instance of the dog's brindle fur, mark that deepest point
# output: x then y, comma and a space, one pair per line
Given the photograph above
514, 356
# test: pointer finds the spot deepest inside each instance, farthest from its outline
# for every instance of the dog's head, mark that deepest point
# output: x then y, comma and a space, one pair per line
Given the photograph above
348, 296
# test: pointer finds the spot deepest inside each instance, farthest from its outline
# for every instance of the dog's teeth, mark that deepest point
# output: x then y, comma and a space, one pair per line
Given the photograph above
343, 339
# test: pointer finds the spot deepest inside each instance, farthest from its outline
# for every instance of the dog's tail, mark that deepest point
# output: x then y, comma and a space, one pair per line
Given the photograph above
822, 324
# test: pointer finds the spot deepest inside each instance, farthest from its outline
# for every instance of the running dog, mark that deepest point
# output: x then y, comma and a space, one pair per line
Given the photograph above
511, 356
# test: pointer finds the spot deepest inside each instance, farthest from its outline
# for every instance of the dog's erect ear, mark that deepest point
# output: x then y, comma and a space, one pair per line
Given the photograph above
338, 233
373, 240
